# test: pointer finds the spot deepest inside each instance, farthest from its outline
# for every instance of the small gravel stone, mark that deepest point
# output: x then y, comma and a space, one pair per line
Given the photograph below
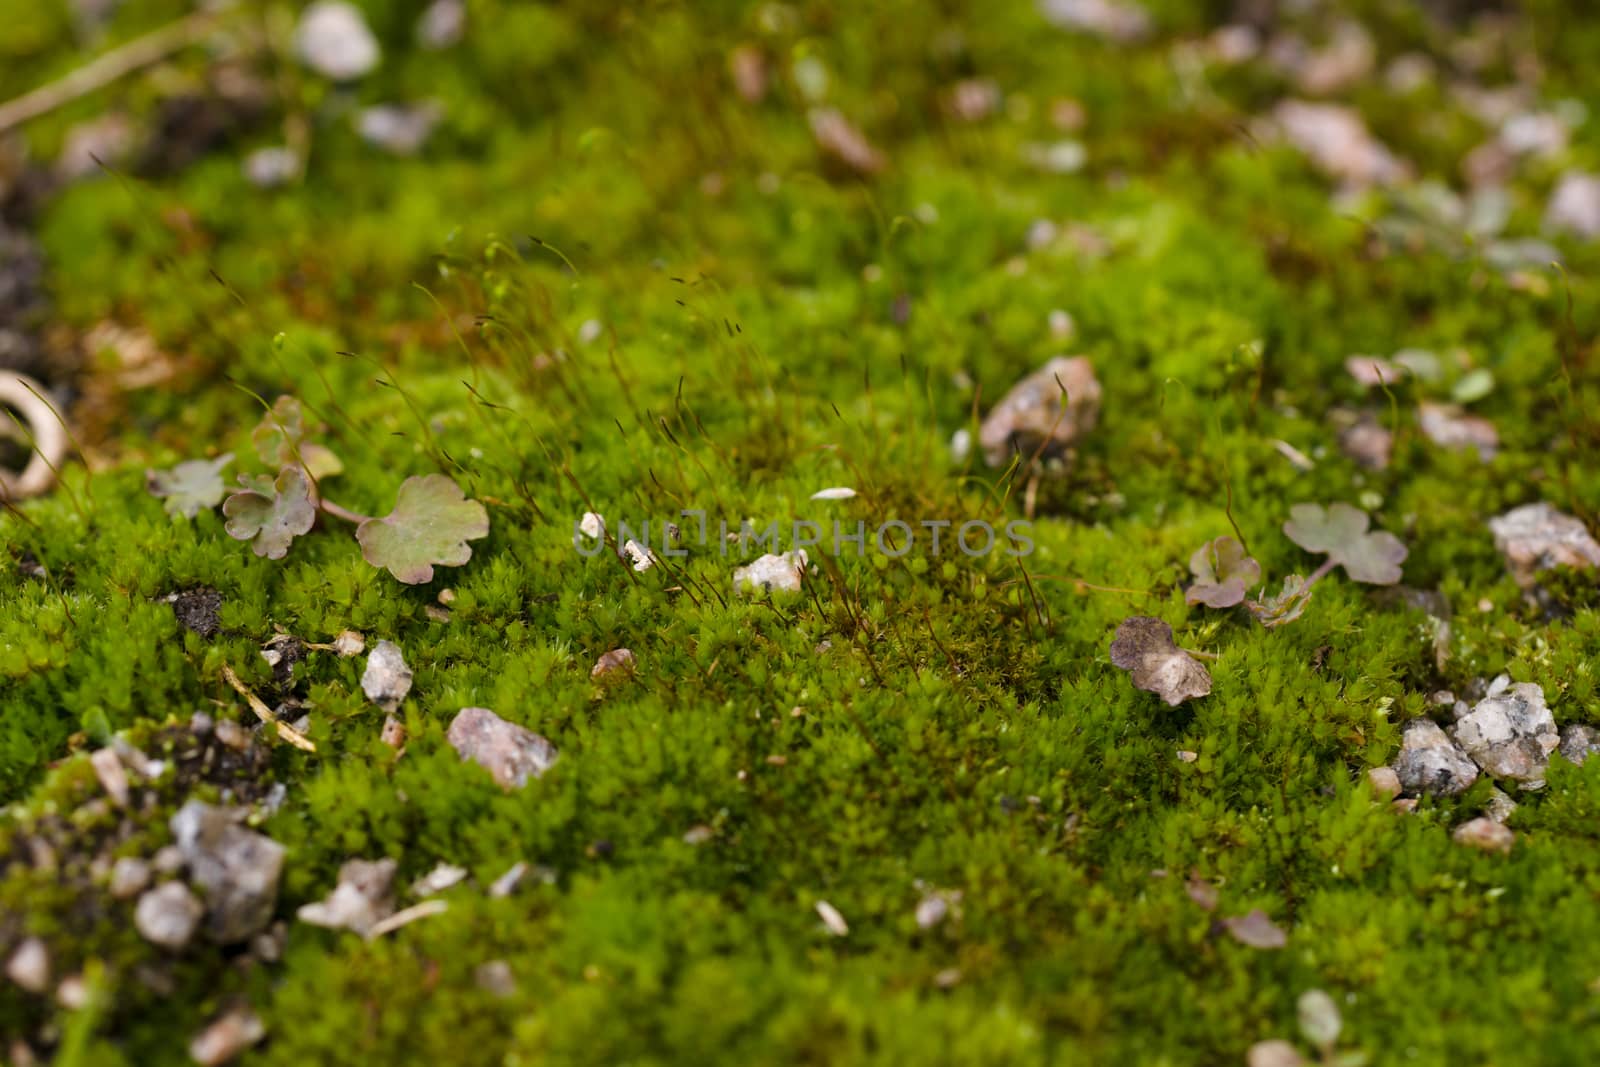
232, 735
1114, 20
270, 167
1510, 733
1337, 142
511, 753
29, 966
442, 24
618, 661
394, 732
1450, 426
772, 572
1575, 206
1537, 537
349, 643
932, 910
1500, 806
442, 877
363, 897
333, 40
832, 919
387, 679
1579, 742
225, 1038
1486, 834
1385, 783
1429, 762
1032, 414
495, 977
639, 555
113, 777
168, 915
398, 129
129, 877
236, 869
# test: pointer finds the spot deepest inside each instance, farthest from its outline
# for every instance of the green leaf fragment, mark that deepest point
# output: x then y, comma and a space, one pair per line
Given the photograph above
430, 526
280, 439
1223, 573
191, 487
270, 520
1341, 532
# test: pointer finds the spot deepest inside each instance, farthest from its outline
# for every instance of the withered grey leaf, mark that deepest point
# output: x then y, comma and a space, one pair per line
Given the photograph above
1256, 930
1341, 532
1144, 648
1223, 573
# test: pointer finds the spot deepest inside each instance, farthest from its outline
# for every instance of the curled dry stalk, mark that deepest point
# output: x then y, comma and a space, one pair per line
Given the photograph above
32, 420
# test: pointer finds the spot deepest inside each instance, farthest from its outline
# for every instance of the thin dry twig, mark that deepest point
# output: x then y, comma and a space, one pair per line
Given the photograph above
406, 916
264, 713
41, 426
116, 64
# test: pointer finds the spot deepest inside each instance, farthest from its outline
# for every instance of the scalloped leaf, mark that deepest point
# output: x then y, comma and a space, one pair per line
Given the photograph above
191, 487
1341, 532
280, 440
430, 526
1144, 648
271, 520
1223, 572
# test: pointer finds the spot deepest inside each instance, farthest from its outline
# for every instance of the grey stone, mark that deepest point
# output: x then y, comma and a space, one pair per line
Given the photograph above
1338, 143
226, 1037
1579, 742
1500, 806
1510, 733
168, 915
29, 966
772, 572
1485, 834
333, 39
1429, 762
363, 897
1033, 415
1537, 537
387, 679
617, 661
495, 977
129, 876
398, 129
236, 869
1575, 206
511, 753
442, 25
270, 167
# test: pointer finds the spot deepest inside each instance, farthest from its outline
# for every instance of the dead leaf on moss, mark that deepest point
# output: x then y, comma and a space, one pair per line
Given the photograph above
1223, 573
1144, 647
280, 440
191, 487
839, 138
1341, 532
1257, 930
270, 515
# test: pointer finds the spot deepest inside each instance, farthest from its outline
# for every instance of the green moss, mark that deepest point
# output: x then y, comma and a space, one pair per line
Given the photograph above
771, 327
